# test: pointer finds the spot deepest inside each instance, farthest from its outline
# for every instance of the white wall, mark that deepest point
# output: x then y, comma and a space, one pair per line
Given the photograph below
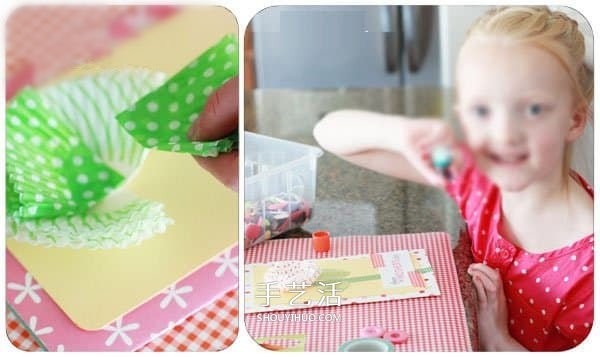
454, 23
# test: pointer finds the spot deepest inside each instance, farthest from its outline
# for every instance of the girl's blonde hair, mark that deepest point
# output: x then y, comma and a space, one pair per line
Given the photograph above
552, 31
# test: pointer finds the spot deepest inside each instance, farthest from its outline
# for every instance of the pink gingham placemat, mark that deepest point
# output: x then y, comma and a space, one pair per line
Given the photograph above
434, 323
213, 328
134, 329
45, 40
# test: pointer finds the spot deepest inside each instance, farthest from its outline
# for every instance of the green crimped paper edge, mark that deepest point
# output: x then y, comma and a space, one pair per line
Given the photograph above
162, 118
120, 228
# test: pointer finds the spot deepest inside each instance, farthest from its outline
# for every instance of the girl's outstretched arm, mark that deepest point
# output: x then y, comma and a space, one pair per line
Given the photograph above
390, 144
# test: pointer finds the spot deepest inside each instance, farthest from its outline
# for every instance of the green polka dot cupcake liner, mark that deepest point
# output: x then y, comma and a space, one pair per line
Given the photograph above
119, 228
161, 119
66, 153
51, 170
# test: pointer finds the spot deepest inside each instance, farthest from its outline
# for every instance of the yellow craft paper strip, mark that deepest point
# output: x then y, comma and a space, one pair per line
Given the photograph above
106, 284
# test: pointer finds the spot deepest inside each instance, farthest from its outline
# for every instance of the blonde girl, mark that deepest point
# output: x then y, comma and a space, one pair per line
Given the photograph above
523, 100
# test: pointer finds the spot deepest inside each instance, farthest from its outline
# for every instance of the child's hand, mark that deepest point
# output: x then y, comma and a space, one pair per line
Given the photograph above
492, 314
424, 136
219, 118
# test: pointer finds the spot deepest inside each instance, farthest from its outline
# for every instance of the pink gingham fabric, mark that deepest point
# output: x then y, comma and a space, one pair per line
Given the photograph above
213, 328
434, 323
43, 41
18, 335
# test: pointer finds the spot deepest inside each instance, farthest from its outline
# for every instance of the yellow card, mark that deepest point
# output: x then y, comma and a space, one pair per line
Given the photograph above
95, 287
346, 280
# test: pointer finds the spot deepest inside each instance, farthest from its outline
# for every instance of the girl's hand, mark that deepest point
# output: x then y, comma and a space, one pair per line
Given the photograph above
423, 136
492, 314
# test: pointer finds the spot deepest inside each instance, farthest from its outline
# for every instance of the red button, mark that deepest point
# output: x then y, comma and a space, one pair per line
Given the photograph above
321, 241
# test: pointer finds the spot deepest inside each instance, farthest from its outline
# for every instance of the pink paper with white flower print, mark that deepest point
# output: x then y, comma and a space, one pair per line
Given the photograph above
131, 331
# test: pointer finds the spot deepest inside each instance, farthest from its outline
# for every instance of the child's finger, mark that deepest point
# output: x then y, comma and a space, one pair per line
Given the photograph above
423, 165
457, 164
428, 143
491, 274
481, 293
491, 290
443, 135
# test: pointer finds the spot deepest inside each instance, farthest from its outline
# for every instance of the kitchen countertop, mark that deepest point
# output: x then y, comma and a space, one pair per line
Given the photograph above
351, 200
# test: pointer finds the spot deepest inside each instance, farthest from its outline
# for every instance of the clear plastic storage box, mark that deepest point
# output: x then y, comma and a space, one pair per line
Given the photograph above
280, 182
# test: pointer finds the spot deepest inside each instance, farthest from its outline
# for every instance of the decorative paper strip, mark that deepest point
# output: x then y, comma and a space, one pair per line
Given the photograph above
159, 314
162, 118
284, 343
66, 154
346, 280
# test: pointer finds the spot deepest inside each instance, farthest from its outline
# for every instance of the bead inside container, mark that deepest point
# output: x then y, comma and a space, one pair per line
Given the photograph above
280, 182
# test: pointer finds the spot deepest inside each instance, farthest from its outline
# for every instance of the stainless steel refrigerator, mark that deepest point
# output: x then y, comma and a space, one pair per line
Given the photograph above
346, 46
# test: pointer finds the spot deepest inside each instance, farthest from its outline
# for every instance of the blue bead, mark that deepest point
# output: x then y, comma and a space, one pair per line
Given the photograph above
441, 157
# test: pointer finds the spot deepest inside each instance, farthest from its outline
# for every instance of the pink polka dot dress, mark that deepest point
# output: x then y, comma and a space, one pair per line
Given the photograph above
549, 295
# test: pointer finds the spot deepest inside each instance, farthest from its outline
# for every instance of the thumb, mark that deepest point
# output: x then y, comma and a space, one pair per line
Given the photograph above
220, 115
